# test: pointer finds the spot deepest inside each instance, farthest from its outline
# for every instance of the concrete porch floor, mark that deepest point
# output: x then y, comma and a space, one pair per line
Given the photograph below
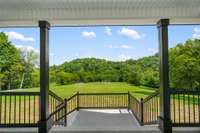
101, 121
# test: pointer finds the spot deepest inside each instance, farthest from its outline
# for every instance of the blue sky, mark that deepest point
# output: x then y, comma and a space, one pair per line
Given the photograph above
112, 43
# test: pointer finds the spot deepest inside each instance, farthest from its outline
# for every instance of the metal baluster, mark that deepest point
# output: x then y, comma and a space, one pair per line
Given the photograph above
10, 109
193, 109
179, 117
184, 108
29, 112
0, 108
19, 109
34, 109
189, 107
24, 109
5, 111
15, 109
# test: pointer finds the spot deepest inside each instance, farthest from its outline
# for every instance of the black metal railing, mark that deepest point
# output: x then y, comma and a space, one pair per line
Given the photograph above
103, 100
59, 115
151, 108
54, 101
61, 108
57, 109
72, 103
185, 107
136, 108
19, 109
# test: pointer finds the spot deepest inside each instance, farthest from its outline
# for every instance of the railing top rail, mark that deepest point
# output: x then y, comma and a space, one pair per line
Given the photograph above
100, 93
61, 106
11, 93
151, 96
134, 98
184, 91
55, 96
72, 97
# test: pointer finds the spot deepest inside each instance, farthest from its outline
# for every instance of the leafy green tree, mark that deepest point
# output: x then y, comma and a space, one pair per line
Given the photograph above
36, 78
30, 60
150, 78
10, 63
185, 65
64, 78
135, 76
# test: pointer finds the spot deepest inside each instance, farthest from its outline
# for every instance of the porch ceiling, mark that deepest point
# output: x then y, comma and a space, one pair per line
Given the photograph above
97, 12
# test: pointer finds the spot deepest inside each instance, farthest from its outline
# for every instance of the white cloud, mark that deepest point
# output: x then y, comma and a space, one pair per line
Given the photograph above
88, 34
196, 34
27, 48
197, 30
17, 36
123, 57
123, 46
153, 51
108, 31
131, 33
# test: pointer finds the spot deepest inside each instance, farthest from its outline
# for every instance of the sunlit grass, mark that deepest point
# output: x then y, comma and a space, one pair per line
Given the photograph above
66, 91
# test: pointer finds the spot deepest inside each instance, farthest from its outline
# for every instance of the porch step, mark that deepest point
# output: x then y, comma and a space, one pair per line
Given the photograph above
144, 129
116, 130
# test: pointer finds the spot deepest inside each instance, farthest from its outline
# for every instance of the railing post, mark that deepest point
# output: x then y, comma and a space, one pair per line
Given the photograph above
77, 101
129, 102
65, 100
165, 123
44, 124
142, 111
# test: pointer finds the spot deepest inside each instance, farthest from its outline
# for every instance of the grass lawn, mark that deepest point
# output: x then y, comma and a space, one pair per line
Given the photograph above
66, 91
25, 112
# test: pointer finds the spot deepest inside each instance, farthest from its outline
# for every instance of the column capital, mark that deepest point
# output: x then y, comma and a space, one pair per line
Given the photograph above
44, 24
162, 22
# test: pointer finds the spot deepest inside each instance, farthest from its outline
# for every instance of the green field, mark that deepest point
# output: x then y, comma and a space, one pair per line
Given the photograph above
24, 108
66, 91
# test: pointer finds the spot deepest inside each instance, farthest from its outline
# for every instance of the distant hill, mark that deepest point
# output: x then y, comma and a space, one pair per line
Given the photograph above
184, 64
94, 70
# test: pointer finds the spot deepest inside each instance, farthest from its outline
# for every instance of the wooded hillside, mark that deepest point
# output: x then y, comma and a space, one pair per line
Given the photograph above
19, 68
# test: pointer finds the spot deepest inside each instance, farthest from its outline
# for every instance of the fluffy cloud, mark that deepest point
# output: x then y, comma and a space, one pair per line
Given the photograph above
88, 34
153, 51
130, 33
17, 36
123, 46
196, 34
108, 31
27, 49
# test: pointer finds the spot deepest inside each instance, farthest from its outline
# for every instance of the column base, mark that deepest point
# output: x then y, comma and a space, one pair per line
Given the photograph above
165, 125
44, 126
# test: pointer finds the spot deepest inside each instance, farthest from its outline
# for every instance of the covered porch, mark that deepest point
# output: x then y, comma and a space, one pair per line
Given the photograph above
47, 14
103, 121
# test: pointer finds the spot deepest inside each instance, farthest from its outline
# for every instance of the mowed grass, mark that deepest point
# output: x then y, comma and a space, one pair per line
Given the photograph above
26, 110
180, 111
65, 91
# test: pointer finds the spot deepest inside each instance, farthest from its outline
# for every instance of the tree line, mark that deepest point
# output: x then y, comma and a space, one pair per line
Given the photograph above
18, 66
20, 69
184, 69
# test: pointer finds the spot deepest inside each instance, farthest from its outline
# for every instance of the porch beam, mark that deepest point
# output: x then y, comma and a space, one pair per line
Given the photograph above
44, 76
164, 118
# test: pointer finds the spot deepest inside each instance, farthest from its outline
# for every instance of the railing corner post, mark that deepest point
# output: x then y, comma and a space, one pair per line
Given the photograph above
129, 100
142, 111
77, 101
65, 100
